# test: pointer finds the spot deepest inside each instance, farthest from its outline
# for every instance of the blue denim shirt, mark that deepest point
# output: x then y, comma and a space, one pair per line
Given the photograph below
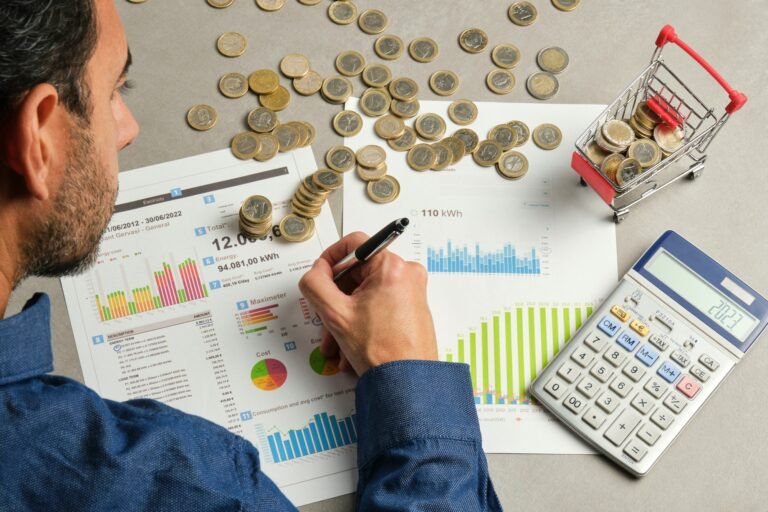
63, 448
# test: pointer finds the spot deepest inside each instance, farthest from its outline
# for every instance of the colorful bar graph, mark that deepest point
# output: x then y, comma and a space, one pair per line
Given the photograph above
251, 320
461, 260
323, 433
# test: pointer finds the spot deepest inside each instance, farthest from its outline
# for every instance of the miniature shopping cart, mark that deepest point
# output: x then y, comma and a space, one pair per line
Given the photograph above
677, 106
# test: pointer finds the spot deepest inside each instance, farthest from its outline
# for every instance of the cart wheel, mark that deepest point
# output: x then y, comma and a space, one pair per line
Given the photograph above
582, 182
696, 173
619, 217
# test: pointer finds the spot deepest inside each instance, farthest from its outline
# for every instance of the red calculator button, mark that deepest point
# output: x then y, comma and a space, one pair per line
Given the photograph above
688, 386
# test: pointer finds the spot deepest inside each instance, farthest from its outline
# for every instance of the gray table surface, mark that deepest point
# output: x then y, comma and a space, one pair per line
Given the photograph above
718, 463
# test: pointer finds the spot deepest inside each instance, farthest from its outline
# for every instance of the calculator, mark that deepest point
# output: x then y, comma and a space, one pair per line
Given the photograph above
648, 359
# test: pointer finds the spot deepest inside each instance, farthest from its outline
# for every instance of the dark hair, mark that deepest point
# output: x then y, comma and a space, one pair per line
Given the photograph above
46, 41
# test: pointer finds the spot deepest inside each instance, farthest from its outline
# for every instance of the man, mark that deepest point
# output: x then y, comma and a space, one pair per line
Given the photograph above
63, 64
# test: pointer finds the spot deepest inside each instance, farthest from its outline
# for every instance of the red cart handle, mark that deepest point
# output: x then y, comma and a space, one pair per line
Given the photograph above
668, 35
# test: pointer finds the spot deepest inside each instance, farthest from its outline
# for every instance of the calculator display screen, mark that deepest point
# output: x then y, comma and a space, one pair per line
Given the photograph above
702, 295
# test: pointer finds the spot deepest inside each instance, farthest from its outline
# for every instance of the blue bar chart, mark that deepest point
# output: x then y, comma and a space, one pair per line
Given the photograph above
324, 432
463, 260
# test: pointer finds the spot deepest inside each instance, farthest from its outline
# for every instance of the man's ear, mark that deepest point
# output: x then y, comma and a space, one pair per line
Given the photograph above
31, 136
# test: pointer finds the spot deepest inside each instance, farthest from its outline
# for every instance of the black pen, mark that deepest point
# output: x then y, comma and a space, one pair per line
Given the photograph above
370, 248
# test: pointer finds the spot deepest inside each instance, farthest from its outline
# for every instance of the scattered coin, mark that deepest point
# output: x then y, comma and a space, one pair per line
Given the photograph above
350, 63
232, 44
473, 40
309, 84
462, 112
547, 136
542, 85
304, 132
389, 127
269, 147
566, 5
444, 82
606, 145
373, 21
488, 152
405, 109
375, 102
617, 133
505, 135
385, 190
270, 5
342, 12
443, 156
469, 138
500, 81
367, 174
377, 75
628, 170
337, 89
233, 85
389, 47
278, 100
262, 120
347, 123
264, 81
220, 4
202, 117
610, 165
310, 2
404, 89
596, 154
423, 49
523, 133
457, 147
287, 136
513, 165
645, 151
326, 179
404, 142
553, 59
523, 13
421, 157
246, 145
371, 156
340, 159
506, 56
294, 65
296, 229
430, 126
669, 139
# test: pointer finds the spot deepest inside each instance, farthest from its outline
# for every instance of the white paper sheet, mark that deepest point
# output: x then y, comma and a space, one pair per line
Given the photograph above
555, 258
214, 324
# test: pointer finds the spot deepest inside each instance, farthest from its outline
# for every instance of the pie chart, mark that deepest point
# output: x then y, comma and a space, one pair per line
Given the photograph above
321, 365
269, 374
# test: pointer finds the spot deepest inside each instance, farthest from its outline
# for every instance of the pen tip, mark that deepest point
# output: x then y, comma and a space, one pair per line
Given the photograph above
404, 221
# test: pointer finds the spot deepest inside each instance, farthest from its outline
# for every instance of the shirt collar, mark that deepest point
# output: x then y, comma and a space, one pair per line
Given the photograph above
25, 341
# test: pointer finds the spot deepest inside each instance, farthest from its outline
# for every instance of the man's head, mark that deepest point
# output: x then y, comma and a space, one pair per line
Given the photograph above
62, 121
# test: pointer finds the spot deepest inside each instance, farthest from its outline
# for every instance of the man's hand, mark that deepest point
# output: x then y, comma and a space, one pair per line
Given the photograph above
383, 318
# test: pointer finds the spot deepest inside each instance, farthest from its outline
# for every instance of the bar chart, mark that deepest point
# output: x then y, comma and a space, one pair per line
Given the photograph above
253, 320
476, 260
323, 432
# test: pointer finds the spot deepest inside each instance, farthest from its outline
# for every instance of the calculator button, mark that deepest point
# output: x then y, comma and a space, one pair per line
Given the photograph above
608, 402
665, 319
569, 371
639, 327
649, 434
643, 402
688, 386
621, 386
668, 372
588, 387
663, 418
615, 357
601, 372
660, 341
555, 387
608, 325
575, 403
636, 450
594, 418
628, 341
656, 387
583, 356
676, 402
618, 432
681, 358
634, 371
596, 341
647, 355
636, 296
700, 373
620, 313
709, 362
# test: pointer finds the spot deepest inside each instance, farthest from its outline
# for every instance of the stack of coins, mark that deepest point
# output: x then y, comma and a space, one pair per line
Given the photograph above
256, 216
268, 136
648, 125
372, 169
311, 195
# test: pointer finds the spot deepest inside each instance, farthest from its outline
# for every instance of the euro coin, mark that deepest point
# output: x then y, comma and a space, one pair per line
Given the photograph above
314, 189
245, 145
444, 82
269, 147
256, 209
342, 12
547, 136
347, 123
405, 109
389, 127
337, 89
500, 81
606, 145
430, 126
553, 59
340, 159
385, 190
543, 85
457, 147
294, 65
566, 5
404, 89
628, 170
505, 135
596, 154
232, 44
277, 101
304, 211
372, 21
303, 131
513, 165
618, 133
473, 40
375, 102
371, 156
488, 152
377, 75
220, 4
669, 139
610, 165
312, 132
421, 157
646, 116
264, 81
523, 133
639, 129
645, 151
310, 2
327, 179
270, 5
287, 137
469, 138
443, 156
309, 84
366, 174
262, 120
462, 112
202, 117
523, 13
296, 229
389, 47
233, 85
423, 49
404, 142
350, 63
506, 56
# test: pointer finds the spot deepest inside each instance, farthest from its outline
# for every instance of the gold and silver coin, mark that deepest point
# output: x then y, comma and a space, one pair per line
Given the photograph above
547, 136
296, 229
220, 4
264, 81
500, 81
421, 157
543, 85
269, 147
404, 89
277, 101
342, 12
340, 159
347, 123
505, 135
337, 89
506, 56
309, 84
645, 151
430, 126
462, 112
245, 145
473, 40
377, 75
628, 170
618, 133
389, 47
523, 13
606, 145
404, 142
202, 117
373, 21
513, 165
389, 127
255, 216
596, 154
262, 120
310, 2
270, 5
288, 137
232, 44
566, 5
669, 139
444, 82
294, 65
371, 156
375, 102
385, 190
523, 133
423, 49
469, 138
610, 165
350, 63
405, 109
488, 152
327, 179
443, 156
457, 147
368, 174
233, 85
552, 59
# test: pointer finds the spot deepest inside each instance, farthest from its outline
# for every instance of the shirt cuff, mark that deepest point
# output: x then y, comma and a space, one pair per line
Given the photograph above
406, 400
